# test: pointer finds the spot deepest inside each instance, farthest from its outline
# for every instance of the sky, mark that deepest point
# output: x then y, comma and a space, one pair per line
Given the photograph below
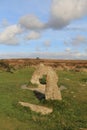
55, 29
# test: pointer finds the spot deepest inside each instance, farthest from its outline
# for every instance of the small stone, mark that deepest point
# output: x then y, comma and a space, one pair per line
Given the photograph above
62, 88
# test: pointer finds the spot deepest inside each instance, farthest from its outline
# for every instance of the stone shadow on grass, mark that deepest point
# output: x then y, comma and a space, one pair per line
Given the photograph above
39, 95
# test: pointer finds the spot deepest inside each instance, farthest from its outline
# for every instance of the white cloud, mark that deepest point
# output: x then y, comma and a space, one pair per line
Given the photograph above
31, 22
65, 11
8, 36
47, 43
62, 13
78, 40
68, 49
5, 23
33, 35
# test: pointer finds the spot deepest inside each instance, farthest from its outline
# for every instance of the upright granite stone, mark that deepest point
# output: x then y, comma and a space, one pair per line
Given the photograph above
52, 92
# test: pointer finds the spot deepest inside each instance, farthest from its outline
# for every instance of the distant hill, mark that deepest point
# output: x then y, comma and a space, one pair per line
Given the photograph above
76, 65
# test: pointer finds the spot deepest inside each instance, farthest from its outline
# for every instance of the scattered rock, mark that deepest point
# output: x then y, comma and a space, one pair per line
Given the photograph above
37, 108
67, 79
62, 87
83, 128
74, 96
83, 84
72, 92
50, 91
24, 86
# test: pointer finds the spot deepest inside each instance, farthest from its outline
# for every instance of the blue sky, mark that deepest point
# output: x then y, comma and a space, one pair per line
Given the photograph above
43, 28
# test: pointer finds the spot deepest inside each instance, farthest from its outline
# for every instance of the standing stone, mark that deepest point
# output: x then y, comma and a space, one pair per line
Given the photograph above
52, 91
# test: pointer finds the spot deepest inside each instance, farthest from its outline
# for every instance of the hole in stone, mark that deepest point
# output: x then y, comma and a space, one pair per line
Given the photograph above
43, 80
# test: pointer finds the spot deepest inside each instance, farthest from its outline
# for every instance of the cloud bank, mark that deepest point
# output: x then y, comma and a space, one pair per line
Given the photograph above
47, 55
62, 13
8, 36
33, 35
65, 11
79, 40
31, 22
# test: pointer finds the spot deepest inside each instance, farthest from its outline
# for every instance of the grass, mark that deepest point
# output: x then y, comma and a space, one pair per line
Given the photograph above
43, 80
69, 114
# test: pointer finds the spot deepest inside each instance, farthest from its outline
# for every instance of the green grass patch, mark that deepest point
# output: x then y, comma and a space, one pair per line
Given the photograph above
43, 79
